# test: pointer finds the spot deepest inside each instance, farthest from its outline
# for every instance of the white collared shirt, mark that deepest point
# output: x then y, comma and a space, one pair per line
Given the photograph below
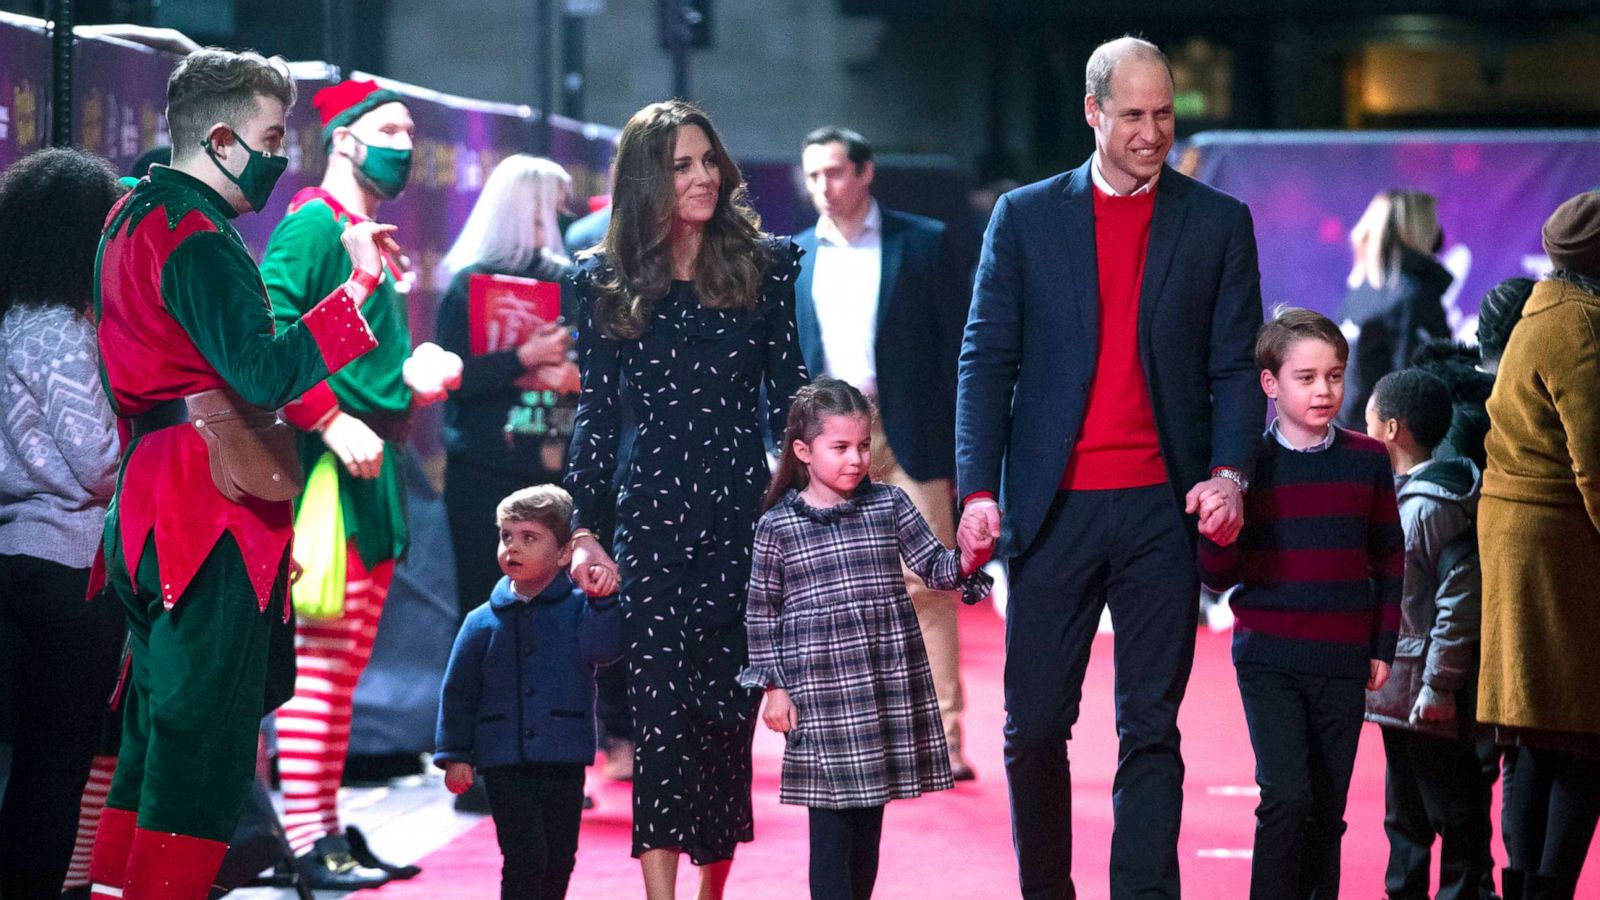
1105, 186
1318, 447
844, 290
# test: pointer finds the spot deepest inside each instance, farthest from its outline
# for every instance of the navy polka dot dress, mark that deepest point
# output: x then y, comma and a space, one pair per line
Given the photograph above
702, 384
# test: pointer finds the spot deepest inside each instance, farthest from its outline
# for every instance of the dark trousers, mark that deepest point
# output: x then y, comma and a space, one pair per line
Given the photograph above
60, 653
1551, 806
1304, 729
1434, 786
536, 809
844, 852
1125, 550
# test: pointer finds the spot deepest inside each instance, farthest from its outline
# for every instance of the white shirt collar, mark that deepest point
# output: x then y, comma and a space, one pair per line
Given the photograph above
1318, 447
872, 224
1105, 186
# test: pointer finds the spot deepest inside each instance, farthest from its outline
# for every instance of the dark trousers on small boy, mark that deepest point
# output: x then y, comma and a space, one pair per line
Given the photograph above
1305, 729
844, 852
1434, 786
536, 809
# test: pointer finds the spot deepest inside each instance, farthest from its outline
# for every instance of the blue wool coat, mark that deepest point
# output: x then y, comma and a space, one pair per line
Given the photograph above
520, 685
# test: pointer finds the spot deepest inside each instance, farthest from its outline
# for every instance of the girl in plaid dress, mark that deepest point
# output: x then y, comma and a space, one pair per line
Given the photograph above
834, 638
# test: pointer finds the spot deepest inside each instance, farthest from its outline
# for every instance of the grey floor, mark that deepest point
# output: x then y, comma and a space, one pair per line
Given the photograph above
404, 821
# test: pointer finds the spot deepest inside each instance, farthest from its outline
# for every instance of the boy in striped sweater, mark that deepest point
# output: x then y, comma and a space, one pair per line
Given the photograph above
1319, 566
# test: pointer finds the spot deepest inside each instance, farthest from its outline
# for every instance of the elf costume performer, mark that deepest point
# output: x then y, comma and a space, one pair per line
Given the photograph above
352, 519
182, 313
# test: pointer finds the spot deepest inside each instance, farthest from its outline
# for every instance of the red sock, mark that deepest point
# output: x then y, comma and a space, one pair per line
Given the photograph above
108, 864
166, 866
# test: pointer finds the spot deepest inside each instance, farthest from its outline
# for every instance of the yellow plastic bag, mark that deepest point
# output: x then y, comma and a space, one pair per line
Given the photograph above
319, 545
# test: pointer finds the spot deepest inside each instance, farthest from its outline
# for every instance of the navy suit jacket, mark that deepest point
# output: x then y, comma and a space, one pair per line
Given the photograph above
1030, 347
922, 300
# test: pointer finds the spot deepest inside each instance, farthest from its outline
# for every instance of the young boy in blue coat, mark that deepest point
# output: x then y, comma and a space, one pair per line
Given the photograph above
518, 698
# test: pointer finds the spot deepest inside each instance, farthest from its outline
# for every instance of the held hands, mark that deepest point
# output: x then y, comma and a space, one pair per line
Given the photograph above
367, 242
431, 372
1379, 676
1220, 505
977, 533
457, 777
592, 569
358, 448
1433, 706
779, 713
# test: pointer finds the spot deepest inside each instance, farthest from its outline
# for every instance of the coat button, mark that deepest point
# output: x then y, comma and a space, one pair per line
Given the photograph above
529, 692
528, 733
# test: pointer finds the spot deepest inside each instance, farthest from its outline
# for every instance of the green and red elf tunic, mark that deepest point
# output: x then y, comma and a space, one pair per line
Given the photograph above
303, 262
181, 308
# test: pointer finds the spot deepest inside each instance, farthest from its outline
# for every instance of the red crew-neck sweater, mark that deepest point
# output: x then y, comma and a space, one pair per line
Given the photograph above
1117, 445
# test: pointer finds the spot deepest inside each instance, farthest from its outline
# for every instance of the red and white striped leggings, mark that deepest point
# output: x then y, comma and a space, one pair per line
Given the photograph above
314, 726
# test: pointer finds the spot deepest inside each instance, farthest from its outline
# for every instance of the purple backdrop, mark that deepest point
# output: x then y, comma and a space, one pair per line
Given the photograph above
24, 87
1307, 189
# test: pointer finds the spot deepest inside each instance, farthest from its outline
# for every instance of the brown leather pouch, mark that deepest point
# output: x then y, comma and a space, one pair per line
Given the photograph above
252, 452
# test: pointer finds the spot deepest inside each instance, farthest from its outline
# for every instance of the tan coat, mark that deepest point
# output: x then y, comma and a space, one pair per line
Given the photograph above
1539, 521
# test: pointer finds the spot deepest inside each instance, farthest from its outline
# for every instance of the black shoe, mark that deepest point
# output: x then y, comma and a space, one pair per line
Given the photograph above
474, 799
588, 801
363, 854
329, 866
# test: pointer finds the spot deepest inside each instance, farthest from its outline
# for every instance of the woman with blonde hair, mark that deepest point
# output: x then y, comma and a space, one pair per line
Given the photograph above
1396, 291
507, 426
686, 316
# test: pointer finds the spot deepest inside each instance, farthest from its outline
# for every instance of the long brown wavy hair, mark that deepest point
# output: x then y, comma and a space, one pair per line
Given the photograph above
816, 401
727, 274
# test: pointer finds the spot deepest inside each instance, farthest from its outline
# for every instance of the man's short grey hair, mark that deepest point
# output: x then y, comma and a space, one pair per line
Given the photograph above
1103, 61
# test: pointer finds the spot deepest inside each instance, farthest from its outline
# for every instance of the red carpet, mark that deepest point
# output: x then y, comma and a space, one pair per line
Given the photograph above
958, 844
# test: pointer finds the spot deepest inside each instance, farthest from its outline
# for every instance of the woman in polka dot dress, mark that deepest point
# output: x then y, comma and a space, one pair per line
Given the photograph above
686, 315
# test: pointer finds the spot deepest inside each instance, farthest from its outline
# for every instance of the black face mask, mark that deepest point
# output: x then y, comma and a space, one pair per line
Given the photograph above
261, 172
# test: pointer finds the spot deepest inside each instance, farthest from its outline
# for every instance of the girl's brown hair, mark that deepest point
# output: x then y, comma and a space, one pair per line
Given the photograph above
816, 401
727, 274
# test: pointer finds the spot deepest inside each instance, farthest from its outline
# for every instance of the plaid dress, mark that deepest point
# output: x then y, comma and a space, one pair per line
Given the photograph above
830, 621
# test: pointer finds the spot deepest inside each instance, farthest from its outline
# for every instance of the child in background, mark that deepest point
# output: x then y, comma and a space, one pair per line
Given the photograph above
1318, 565
518, 698
834, 638
1434, 785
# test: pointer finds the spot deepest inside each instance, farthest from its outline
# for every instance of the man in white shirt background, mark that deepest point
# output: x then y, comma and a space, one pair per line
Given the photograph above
881, 303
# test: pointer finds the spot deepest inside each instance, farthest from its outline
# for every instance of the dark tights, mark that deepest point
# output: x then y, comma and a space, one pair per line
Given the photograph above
1552, 803
844, 852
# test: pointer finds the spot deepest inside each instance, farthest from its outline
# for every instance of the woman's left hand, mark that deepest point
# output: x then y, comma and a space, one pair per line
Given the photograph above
592, 569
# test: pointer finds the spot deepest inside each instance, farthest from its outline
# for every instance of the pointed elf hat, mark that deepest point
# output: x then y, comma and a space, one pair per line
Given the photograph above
343, 103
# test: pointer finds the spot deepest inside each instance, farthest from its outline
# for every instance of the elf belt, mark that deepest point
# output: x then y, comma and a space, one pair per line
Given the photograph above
251, 452
163, 415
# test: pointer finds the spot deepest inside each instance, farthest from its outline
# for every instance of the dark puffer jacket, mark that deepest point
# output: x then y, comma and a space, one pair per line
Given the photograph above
1442, 603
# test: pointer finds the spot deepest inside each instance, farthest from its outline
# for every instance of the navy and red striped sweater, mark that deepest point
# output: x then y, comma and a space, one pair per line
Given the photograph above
1320, 560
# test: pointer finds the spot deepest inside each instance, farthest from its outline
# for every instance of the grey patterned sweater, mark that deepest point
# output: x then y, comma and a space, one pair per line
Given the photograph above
58, 438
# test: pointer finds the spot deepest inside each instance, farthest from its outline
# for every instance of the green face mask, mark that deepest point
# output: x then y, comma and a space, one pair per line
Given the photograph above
260, 175
386, 168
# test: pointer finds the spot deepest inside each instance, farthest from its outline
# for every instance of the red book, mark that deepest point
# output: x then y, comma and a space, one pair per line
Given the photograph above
503, 310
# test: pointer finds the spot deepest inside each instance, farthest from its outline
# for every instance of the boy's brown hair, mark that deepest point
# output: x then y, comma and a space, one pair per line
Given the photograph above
546, 504
1290, 324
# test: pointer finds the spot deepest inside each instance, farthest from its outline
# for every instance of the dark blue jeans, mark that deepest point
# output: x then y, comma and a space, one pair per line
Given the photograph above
1126, 550
1304, 729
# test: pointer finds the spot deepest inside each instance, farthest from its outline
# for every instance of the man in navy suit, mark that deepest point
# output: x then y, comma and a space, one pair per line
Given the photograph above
1107, 408
880, 304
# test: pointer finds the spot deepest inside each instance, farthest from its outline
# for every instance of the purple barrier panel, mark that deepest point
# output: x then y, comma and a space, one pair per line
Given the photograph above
1306, 190
585, 150
119, 92
24, 87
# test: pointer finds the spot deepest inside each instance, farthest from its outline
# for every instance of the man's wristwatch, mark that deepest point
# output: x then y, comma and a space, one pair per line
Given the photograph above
1233, 475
